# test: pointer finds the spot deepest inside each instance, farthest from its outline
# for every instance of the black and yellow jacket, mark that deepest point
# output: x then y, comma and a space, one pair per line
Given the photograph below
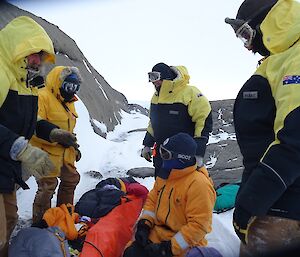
267, 120
180, 209
18, 103
179, 107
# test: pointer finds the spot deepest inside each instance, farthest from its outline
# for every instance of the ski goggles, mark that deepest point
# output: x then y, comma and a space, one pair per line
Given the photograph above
243, 31
70, 87
166, 154
154, 76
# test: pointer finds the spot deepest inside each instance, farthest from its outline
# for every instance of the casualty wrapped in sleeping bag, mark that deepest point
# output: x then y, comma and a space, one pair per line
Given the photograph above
109, 236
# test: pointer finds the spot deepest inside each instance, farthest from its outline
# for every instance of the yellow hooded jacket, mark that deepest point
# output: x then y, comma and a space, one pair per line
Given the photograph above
179, 107
180, 209
53, 109
18, 102
266, 117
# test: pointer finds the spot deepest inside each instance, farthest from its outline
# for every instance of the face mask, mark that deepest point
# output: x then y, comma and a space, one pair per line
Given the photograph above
66, 95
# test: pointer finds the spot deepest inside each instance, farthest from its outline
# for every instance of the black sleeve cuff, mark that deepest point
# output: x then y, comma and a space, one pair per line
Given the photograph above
201, 145
148, 140
7, 138
43, 129
261, 191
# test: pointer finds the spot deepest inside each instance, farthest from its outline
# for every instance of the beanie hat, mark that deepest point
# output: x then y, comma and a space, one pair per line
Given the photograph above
165, 71
203, 252
251, 9
73, 78
183, 145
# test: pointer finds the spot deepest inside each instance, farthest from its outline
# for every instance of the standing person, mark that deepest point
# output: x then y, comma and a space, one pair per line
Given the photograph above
24, 48
56, 105
176, 107
266, 117
177, 213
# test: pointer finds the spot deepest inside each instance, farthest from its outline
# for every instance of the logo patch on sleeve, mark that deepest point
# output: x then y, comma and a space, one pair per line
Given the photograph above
291, 79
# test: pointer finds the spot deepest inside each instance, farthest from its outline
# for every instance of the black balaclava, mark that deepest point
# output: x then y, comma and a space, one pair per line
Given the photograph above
255, 12
181, 143
68, 97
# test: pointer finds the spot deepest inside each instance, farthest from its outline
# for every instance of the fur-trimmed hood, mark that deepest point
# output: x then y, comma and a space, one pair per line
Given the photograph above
56, 77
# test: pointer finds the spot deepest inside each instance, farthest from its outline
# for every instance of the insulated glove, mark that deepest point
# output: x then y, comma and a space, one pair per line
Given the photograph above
142, 233
147, 153
163, 249
199, 161
35, 162
63, 137
241, 223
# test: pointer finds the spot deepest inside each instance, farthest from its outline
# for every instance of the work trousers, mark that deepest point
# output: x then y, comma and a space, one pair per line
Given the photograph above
271, 234
69, 179
8, 220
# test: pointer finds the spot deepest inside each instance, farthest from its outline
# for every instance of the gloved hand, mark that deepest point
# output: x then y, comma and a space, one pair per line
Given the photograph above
199, 161
147, 153
142, 233
34, 162
241, 223
78, 154
63, 137
163, 249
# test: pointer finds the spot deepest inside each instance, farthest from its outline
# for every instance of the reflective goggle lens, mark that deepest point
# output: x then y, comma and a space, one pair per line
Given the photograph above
154, 76
165, 154
70, 87
246, 34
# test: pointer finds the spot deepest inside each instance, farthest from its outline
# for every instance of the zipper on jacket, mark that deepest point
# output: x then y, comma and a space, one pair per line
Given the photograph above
169, 206
161, 192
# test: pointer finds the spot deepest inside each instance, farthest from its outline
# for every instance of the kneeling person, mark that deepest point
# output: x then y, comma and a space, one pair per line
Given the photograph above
177, 214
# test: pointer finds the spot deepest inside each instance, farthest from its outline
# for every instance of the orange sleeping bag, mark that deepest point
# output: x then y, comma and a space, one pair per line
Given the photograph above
109, 236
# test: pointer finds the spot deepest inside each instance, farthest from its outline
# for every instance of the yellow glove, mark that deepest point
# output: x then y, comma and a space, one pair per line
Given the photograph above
35, 162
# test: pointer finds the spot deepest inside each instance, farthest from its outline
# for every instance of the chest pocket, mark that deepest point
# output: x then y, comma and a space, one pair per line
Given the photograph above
60, 119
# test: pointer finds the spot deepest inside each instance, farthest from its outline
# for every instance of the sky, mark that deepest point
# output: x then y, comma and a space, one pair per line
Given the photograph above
112, 157
124, 39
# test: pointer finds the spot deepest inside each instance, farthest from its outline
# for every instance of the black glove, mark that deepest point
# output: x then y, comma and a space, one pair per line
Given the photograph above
241, 223
63, 137
142, 233
163, 249
78, 155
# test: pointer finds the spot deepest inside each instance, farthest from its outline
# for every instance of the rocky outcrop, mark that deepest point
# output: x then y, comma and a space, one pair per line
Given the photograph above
102, 101
223, 157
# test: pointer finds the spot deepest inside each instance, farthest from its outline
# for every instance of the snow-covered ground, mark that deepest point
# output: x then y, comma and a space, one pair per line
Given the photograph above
112, 157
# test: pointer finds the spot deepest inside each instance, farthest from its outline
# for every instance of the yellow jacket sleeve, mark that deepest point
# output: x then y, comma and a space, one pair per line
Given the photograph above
149, 206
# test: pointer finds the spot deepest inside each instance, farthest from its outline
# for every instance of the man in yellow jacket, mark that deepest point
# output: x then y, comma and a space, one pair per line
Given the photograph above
266, 117
56, 105
24, 48
176, 106
177, 213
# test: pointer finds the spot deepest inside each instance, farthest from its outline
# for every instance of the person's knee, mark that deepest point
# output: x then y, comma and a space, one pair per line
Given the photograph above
71, 180
134, 250
47, 186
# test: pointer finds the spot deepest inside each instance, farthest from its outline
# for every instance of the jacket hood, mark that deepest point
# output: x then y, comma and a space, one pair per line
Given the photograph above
23, 37
281, 27
56, 77
183, 76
